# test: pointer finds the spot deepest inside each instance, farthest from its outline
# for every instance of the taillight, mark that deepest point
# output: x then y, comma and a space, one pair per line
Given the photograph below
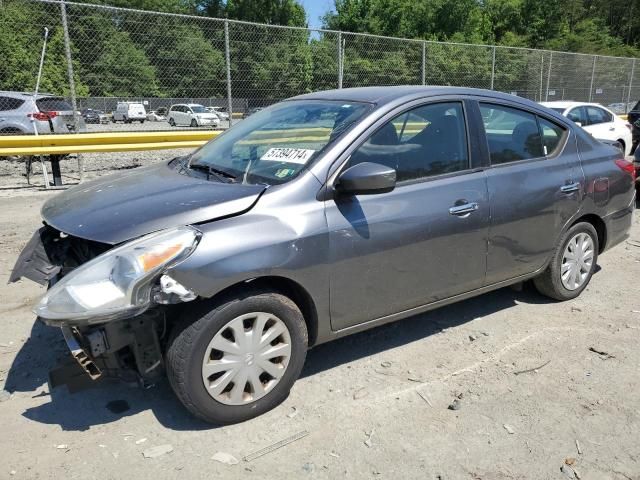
627, 166
43, 116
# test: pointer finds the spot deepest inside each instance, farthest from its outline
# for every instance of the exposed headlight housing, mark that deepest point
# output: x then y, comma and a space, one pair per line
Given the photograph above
117, 283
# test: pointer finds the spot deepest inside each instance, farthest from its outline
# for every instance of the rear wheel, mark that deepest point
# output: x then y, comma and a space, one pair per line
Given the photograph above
239, 358
572, 265
172, 122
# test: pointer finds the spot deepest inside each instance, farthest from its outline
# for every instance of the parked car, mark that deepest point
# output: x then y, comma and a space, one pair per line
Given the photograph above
129, 112
251, 111
24, 113
193, 115
221, 112
94, 116
379, 203
156, 116
620, 108
599, 121
633, 117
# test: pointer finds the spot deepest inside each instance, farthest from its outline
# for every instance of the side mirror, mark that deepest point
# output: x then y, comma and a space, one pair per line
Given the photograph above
366, 178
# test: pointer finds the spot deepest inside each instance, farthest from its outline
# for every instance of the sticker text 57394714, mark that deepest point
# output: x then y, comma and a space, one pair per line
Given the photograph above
289, 155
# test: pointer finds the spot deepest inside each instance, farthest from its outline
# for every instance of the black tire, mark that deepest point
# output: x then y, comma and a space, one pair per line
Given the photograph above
194, 123
549, 283
141, 122
623, 147
113, 120
172, 122
191, 336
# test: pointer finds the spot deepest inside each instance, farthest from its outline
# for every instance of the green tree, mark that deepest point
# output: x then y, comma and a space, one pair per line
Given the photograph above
121, 69
188, 65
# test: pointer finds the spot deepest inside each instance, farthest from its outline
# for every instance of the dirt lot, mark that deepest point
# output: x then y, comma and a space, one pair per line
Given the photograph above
375, 405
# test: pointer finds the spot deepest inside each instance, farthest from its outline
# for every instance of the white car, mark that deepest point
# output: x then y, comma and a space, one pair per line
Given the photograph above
128, 112
219, 111
193, 115
599, 121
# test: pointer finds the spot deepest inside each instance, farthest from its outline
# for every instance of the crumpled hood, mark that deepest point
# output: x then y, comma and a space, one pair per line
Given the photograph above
129, 204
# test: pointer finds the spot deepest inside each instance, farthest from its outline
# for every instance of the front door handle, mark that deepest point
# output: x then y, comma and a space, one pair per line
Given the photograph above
463, 210
570, 188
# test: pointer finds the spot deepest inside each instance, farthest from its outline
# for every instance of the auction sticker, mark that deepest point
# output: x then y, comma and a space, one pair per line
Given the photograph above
289, 155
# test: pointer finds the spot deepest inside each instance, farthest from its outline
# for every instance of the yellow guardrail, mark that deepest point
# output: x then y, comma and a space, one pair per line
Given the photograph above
101, 142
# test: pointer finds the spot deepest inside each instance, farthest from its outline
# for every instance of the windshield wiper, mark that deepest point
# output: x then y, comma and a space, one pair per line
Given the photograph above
219, 173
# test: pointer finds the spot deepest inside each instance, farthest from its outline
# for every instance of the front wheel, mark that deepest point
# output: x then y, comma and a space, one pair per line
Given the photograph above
237, 359
194, 123
573, 263
172, 122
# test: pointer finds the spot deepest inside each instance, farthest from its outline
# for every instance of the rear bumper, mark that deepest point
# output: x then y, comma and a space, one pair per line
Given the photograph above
618, 224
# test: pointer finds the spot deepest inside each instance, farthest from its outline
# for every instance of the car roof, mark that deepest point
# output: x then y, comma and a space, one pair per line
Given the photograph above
26, 94
382, 95
569, 104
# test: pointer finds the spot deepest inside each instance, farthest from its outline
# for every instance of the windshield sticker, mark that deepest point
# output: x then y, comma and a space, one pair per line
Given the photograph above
289, 155
284, 172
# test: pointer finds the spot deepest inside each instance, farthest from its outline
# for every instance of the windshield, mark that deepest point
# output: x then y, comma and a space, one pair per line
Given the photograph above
559, 110
197, 109
274, 145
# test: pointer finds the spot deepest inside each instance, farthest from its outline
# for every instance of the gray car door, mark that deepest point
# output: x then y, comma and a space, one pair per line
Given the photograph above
535, 183
425, 240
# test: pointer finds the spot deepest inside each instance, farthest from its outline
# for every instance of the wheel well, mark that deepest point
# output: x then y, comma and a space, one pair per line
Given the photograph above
288, 288
599, 225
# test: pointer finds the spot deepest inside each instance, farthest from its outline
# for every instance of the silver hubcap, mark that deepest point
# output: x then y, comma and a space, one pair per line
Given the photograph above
577, 261
247, 358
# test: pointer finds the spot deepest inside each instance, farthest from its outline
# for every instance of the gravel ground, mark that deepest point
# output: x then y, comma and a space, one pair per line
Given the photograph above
375, 405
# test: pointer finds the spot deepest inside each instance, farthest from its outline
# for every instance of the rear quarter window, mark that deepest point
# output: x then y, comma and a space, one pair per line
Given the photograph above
8, 103
50, 104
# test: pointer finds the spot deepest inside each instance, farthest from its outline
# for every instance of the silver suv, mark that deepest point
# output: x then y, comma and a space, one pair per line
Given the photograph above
22, 113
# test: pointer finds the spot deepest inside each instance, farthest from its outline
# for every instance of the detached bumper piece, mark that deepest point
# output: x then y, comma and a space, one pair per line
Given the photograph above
127, 350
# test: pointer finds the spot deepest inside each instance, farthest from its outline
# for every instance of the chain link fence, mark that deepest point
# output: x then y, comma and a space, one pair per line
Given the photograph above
160, 59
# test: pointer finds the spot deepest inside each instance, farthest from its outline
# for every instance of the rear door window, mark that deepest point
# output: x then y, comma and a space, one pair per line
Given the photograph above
8, 103
597, 115
51, 104
552, 136
512, 134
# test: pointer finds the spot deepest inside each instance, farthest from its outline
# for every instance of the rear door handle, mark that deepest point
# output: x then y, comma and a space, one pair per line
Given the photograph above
463, 210
570, 188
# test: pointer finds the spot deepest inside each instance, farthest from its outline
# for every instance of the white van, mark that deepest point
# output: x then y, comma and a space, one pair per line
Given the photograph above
128, 112
193, 115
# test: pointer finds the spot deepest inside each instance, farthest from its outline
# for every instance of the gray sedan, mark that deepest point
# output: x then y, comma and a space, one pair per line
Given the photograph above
315, 218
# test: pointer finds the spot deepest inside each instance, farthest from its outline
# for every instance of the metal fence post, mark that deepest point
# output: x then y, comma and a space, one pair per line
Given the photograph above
493, 66
339, 59
546, 94
593, 73
424, 63
227, 58
541, 73
633, 67
72, 83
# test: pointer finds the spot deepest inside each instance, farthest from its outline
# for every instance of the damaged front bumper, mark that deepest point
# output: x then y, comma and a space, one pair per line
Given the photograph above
128, 348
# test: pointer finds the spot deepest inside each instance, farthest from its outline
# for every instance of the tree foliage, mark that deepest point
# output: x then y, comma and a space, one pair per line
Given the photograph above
608, 27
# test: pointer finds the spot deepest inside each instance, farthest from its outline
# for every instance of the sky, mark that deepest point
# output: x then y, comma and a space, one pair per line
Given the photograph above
316, 9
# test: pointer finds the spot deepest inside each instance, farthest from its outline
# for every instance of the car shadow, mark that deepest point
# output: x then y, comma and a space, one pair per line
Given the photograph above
110, 401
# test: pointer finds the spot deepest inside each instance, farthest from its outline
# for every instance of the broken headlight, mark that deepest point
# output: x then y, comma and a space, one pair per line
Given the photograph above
118, 282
